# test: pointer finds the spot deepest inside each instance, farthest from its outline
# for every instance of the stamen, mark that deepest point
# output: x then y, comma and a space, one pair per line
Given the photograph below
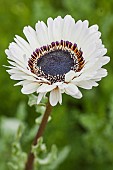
55, 60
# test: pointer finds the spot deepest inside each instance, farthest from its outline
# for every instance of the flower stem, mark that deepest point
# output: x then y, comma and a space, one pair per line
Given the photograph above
30, 159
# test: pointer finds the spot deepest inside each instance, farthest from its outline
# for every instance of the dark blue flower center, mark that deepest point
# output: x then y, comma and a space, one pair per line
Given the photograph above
53, 61
57, 62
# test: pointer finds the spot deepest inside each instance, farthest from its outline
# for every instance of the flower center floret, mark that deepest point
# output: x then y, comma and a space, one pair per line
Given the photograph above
55, 60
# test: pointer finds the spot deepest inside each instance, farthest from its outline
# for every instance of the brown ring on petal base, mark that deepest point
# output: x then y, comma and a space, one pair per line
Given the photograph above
53, 61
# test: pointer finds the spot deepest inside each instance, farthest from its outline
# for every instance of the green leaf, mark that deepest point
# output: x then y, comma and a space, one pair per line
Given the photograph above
32, 100
62, 155
50, 157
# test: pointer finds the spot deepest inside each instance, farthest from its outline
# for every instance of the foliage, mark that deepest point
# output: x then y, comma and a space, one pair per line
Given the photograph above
43, 159
85, 125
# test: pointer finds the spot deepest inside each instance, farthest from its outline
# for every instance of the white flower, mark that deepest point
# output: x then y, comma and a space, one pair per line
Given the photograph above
58, 58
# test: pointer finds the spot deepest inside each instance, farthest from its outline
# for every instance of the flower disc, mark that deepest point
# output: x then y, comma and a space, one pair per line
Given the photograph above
56, 62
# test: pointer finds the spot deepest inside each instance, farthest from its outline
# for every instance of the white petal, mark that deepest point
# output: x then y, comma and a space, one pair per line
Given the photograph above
77, 95
12, 63
45, 88
23, 82
101, 73
68, 26
13, 71
57, 28
91, 68
84, 31
91, 48
55, 97
69, 76
31, 36
93, 28
71, 89
62, 86
30, 78
50, 29
105, 60
24, 45
27, 81
76, 31
40, 96
42, 33
96, 53
13, 55
60, 97
29, 88
17, 76
87, 84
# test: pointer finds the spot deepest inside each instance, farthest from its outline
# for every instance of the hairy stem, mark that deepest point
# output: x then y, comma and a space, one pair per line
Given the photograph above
30, 160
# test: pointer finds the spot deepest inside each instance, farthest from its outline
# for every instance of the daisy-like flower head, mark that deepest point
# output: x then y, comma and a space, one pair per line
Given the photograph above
58, 58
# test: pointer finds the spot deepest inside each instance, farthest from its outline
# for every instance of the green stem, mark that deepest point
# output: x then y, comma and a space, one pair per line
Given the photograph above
30, 159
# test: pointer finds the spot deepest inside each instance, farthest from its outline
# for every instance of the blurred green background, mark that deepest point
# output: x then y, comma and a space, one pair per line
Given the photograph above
85, 125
